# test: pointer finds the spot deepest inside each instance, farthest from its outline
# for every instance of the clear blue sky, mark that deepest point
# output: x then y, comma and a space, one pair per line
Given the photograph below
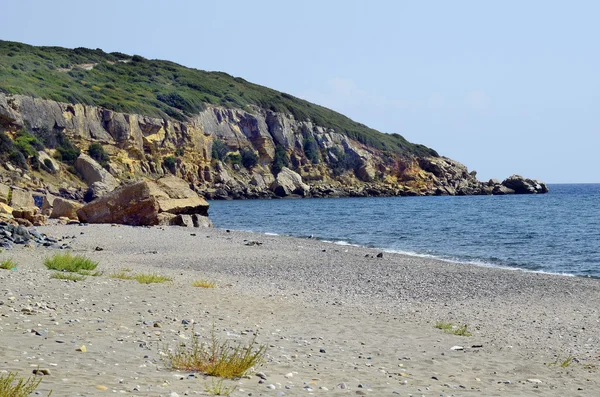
504, 87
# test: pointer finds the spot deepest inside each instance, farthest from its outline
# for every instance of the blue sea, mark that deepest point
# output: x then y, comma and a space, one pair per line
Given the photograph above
558, 232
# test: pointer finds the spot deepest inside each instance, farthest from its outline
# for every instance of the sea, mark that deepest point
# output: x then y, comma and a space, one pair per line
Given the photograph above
557, 232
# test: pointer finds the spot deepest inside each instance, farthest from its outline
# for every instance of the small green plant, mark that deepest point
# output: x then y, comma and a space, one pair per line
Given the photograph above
450, 328
216, 358
67, 276
202, 283
122, 275
10, 386
170, 162
219, 150
566, 363
70, 263
8, 264
218, 389
151, 278
96, 151
249, 158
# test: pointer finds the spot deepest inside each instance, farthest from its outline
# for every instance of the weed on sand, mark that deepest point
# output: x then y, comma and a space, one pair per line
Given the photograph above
202, 283
142, 278
11, 386
8, 264
67, 276
70, 263
122, 275
216, 358
451, 328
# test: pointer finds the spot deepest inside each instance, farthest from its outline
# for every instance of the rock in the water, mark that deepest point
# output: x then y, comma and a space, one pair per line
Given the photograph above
522, 185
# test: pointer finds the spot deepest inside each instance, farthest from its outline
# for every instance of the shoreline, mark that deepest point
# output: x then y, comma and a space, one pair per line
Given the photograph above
374, 318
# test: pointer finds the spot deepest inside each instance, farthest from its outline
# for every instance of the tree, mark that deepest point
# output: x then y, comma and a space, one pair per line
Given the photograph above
249, 158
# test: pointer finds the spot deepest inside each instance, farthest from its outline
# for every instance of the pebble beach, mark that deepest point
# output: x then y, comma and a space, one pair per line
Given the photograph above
336, 320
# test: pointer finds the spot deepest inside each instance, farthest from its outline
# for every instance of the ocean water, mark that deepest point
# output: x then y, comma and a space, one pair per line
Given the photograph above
558, 232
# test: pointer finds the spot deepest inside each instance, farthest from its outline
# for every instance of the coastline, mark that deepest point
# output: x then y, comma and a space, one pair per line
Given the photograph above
374, 317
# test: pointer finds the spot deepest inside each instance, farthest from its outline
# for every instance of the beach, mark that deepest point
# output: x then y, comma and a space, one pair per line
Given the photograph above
336, 319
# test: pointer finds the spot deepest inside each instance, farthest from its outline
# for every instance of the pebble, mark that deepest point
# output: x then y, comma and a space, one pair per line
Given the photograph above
271, 386
41, 371
82, 349
261, 375
342, 385
101, 387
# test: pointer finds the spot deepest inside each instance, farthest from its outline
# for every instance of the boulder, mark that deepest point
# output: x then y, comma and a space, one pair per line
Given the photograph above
92, 172
4, 193
366, 172
288, 183
65, 208
21, 199
46, 159
5, 209
47, 203
146, 203
522, 185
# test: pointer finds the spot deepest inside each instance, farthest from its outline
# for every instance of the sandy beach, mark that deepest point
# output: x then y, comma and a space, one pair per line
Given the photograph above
337, 320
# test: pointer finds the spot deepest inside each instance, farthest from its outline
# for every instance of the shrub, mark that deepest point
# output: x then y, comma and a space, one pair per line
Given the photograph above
282, 159
6, 144
180, 152
450, 328
249, 158
219, 150
96, 151
234, 158
67, 152
216, 358
18, 158
69, 263
27, 143
10, 386
49, 165
170, 162
311, 149
151, 278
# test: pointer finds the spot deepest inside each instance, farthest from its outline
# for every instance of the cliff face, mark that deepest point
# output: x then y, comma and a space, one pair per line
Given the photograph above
286, 156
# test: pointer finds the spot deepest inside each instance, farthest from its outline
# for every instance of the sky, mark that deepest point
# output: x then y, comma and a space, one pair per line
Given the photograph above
505, 87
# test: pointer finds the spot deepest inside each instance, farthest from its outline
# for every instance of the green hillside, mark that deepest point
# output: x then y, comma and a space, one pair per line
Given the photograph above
133, 84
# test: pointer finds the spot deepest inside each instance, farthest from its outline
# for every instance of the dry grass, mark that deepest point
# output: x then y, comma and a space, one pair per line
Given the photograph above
202, 283
450, 328
10, 386
8, 264
216, 358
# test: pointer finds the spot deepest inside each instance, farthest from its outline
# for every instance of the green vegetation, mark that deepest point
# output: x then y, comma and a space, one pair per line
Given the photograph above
282, 159
216, 358
202, 283
453, 329
10, 386
218, 389
311, 149
8, 264
96, 151
566, 363
142, 278
219, 150
249, 158
234, 159
133, 84
70, 263
67, 276
151, 278
170, 162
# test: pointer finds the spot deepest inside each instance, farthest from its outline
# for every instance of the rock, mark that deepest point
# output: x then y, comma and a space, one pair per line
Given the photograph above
96, 190
41, 371
44, 158
4, 193
92, 172
129, 205
65, 208
289, 182
82, 349
47, 203
366, 172
5, 209
500, 190
21, 199
522, 185
147, 203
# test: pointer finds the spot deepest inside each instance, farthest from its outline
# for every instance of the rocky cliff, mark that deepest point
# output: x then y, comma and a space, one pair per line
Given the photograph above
233, 153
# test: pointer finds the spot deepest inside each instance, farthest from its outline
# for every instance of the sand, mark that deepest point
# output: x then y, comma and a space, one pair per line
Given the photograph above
337, 320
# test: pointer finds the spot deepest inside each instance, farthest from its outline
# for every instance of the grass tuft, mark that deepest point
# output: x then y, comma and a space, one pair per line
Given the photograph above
218, 389
151, 278
8, 264
217, 358
70, 263
67, 276
201, 283
122, 275
450, 328
10, 386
